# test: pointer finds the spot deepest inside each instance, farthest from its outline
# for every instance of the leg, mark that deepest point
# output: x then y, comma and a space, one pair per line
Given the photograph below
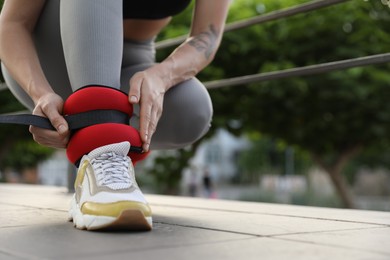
186, 116
92, 35
109, 197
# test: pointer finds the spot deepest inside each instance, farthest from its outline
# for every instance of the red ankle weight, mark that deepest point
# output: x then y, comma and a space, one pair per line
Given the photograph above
87, 139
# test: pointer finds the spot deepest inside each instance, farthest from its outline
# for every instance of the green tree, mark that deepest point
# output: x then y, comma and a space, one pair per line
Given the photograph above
334, 116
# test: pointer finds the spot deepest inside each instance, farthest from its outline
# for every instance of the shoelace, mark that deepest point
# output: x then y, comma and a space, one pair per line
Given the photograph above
112, 168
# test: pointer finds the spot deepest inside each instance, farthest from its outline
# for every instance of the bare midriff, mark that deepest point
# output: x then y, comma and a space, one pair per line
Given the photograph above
141, 30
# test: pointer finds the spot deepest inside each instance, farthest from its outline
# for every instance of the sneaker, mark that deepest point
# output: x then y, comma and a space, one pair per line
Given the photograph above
106, 193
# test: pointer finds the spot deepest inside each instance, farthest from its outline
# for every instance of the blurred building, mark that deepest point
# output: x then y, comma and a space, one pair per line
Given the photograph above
54, 171
216, 157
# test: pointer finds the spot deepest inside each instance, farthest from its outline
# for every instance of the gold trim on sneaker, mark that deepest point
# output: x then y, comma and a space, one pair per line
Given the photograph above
114, 209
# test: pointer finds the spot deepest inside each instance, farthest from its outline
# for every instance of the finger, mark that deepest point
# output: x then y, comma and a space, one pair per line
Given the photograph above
58, 121
135, 89
155, 115
145, 117
50, 143
48, 137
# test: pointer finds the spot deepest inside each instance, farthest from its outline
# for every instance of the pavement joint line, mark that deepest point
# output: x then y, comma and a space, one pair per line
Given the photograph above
33, 207
331, 245
18, 226
269, 236
211, 229
222, 210
271, 214
20, 255
324, 231
231, 231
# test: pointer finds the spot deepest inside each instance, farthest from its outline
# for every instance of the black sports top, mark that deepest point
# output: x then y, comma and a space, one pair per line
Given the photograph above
153, 9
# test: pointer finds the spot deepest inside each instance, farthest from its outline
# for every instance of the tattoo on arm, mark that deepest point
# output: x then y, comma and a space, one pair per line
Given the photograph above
205, 42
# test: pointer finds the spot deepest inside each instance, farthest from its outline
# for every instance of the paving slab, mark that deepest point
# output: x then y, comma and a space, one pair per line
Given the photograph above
249, 222
346, 215
255, 248
62, 241
30, 196
374, 240
33, 225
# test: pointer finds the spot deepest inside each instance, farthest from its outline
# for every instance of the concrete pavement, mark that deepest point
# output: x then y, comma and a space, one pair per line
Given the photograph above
33, 226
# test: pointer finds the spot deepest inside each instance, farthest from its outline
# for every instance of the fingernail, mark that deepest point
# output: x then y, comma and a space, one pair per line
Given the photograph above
61, 129
133, 99
146, 147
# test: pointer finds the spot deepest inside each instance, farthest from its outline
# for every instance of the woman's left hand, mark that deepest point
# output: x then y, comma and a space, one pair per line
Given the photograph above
147, 88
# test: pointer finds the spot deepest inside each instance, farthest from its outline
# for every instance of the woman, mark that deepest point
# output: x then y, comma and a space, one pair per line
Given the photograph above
50, 49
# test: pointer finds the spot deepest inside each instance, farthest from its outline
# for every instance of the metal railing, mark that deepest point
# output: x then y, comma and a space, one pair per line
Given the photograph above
271, 16
294, 72
301, 71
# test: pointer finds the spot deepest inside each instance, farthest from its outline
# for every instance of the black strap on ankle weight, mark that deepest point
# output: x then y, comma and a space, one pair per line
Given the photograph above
75, 122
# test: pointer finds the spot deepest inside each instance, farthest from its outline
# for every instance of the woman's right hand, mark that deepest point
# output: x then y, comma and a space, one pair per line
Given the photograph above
50, 106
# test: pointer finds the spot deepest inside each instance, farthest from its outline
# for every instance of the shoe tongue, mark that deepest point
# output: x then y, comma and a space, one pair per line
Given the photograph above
118, 148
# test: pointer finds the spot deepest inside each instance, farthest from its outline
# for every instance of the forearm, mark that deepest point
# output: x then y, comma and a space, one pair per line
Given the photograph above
200, 47
17, 50
18, 54
188, 59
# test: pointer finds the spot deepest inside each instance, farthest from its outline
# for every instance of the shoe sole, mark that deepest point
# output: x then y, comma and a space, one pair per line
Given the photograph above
130, 219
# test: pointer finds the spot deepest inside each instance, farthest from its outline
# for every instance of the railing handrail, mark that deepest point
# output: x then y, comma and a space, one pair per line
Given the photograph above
301, 71
278, 14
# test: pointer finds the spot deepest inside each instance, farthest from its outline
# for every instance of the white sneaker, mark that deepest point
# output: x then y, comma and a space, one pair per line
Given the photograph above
106, 193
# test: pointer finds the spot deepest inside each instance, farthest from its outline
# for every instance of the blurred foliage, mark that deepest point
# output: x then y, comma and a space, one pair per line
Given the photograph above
335, 106
18, 150
332, 116
268, 156
344, 108
167, 171
373, 157
25, 154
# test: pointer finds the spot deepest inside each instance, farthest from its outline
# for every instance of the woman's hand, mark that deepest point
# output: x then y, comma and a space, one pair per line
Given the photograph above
50, 106
148, 88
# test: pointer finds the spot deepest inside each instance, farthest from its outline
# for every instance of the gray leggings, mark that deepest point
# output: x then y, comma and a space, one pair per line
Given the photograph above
86, 47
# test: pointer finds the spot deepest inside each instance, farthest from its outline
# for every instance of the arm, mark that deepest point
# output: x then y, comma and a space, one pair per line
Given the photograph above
148, 87
200, 47
17, 52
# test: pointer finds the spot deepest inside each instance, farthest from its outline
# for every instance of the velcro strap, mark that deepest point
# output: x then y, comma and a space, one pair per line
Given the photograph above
27, 119
75, 121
